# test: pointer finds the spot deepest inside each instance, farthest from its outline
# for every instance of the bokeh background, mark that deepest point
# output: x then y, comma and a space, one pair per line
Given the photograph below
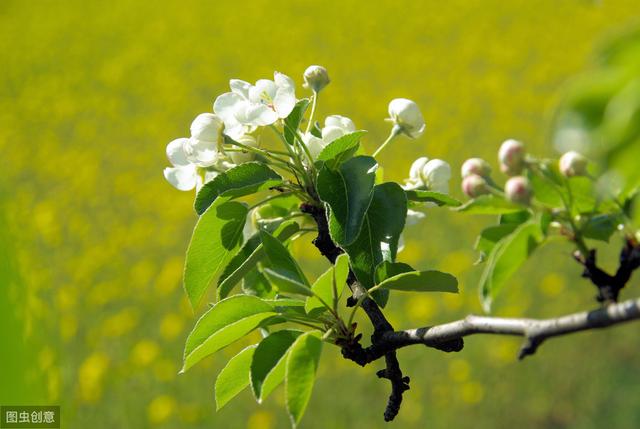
92, 238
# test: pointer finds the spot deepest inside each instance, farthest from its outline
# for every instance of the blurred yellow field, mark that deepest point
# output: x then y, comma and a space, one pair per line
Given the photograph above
93, 237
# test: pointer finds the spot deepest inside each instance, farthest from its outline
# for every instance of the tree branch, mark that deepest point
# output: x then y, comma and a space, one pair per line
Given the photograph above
534, 331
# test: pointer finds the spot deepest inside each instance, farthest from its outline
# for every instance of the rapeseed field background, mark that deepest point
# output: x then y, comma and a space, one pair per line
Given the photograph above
93, 238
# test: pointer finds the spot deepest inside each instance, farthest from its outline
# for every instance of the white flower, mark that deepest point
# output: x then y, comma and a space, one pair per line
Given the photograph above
428, 174
573, 163
335, 126
407, 116
245, 156
183, 175
518, 190
202, 148
255, 105
414, 217
474, 185
316, 78
512, 157
476, 166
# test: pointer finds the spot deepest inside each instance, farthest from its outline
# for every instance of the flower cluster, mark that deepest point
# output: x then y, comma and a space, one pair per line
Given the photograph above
231, 134
514, 162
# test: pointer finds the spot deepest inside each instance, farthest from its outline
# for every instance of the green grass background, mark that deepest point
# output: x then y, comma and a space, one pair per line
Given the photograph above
92, 312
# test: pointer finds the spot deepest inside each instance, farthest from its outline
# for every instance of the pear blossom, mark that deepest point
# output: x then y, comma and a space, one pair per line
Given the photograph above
428, 174
182, 175
518, 190
474, 185
512, 157
335, 126
262, 104
476, 166
406, 115
573, 163
245, 156
316, 78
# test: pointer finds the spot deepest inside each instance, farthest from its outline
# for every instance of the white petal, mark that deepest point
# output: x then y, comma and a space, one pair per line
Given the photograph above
226, 105
175, 152
201, 152
436, 172
331, 133
285, 97
206, 126
263, 91
416, 168
314, 144
183, 178
341, 122
240, 87
414, 217
255, 114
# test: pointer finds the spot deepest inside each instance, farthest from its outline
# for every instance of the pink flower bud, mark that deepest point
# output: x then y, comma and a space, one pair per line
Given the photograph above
518, 190
511, 156
473, 186
573, 164
476, 166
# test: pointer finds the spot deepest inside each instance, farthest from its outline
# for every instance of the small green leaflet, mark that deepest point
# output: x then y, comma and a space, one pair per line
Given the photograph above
234, 377
348, 192
248, 257
432, 197
334, 277
421, 281
216, 238
302, 364
225, 322
292, 122
341, 149
506, 257
488, 204
244, 179
283, 269
269, 362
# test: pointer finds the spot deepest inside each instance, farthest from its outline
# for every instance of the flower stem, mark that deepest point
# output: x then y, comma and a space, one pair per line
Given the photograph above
313, 111
395, 131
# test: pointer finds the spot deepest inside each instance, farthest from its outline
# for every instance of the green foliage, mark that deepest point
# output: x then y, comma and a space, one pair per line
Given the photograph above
328, 288
244, 179
269, 363
216, 238
340, 150
225, 322
421, 281
292, 122
302, 364
234, 377
348, 190
489, 205
423, 196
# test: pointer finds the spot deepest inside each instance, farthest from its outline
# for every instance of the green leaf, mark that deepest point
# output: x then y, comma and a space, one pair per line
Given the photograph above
515, 218
348, 192
341, 149
506, 257
225, 322
292, 122
302, 364
422, 281
490, 236
269, 362
324, 285
488, 204
378, 239
432, 197
234, 377
546, 191
216, 238
256, 283
280, 259
387, 269
244, 179
248, 257
601, 227
287, 283
583, 195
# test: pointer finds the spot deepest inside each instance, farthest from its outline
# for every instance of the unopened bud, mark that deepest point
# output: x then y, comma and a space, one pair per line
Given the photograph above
406, 115
477, 166
518, 190
473, 186
316, 78
511, 156
244, 156
573, 164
